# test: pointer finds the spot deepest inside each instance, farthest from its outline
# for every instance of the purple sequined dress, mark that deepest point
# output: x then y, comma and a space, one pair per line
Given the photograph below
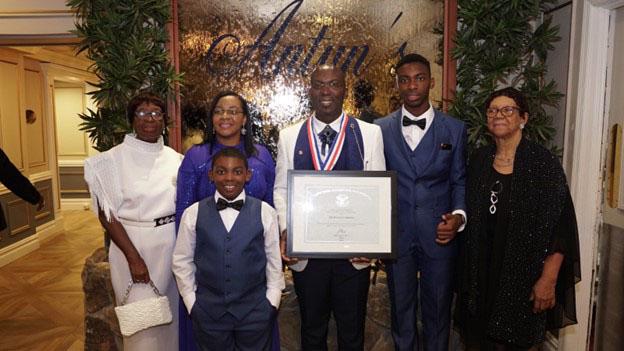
193, 185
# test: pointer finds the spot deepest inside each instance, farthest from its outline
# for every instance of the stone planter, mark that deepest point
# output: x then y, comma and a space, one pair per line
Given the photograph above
101, 326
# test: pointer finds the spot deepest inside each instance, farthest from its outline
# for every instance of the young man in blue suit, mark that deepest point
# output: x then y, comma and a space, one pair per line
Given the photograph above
427, 150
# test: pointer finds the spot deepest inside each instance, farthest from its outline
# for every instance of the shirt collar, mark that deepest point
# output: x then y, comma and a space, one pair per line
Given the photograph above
428, 115
132, 141
318, 125
240, 196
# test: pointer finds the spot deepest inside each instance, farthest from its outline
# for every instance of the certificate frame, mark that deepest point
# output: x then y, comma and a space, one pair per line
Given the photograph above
361, 220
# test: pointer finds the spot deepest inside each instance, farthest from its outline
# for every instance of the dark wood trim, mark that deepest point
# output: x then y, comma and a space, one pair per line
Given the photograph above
449, 78
38, 40
34, 12
22, 208
173, 104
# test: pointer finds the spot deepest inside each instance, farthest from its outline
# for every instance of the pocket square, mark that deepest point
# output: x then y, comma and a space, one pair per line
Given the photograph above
445, 146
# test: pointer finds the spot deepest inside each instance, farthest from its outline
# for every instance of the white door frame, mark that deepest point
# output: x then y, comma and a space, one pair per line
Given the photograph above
586, 176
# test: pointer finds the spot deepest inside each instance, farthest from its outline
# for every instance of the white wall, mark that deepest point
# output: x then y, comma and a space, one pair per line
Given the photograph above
557, 64
68, 104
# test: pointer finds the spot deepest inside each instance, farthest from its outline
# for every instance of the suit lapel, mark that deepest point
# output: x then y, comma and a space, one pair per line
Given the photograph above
438, 135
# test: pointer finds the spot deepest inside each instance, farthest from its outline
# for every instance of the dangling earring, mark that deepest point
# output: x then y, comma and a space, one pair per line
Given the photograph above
521, 125
243, 131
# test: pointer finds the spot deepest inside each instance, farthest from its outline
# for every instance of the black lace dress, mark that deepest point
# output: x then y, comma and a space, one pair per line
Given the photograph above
502, 253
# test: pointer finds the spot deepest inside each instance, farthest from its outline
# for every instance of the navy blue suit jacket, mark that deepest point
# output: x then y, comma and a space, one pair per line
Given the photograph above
431, 179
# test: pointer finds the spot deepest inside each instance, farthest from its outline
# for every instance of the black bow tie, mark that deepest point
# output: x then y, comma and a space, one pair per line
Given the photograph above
422, 123
222, 204
326, 136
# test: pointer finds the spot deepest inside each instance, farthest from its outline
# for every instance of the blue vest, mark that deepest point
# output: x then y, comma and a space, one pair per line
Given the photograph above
351, 157
230, 274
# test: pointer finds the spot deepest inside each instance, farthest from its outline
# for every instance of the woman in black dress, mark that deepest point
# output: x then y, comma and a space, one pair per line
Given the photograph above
520, 256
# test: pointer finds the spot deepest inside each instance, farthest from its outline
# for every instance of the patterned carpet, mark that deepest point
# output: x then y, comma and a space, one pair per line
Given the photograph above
41, 299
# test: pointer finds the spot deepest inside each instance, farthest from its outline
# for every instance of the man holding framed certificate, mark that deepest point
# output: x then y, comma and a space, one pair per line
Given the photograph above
328, 141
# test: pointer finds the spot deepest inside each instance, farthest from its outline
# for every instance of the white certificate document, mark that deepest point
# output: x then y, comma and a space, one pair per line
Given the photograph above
340, 214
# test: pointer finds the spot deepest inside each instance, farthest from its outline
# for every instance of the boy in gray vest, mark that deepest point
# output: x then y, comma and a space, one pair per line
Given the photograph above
227, 262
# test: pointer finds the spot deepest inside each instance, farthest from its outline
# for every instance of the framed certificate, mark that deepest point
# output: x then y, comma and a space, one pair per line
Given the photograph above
341, 214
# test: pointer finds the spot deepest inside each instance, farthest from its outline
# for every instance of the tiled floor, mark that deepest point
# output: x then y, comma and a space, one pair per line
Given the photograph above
41, 298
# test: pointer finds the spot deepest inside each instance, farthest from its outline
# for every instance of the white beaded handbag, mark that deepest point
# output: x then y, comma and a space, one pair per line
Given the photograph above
142, 314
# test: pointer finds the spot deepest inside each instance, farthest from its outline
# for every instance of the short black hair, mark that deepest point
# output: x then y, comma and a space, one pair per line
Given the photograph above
209, 132
142, 98
413, 58
229, 152
513, 94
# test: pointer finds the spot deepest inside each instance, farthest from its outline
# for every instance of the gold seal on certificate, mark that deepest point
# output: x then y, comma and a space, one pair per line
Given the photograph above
341, 214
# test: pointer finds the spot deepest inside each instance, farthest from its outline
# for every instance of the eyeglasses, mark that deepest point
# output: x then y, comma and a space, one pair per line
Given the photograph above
156, 115
506, 111
220, 112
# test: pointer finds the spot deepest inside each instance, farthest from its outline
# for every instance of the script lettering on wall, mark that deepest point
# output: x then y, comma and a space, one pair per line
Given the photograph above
266, 50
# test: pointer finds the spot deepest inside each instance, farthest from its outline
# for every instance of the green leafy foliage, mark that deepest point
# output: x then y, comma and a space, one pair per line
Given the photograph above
126, 41
498, 44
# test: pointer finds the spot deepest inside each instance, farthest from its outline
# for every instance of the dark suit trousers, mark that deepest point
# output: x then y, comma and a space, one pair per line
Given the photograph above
436, 294
332, 286
252, 333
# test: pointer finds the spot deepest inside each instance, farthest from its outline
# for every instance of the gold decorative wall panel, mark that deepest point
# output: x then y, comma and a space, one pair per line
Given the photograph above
10, 123
266, 50
35, 127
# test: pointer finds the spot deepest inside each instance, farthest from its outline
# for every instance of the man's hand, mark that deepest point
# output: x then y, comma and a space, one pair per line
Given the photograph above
360, 260
447, 228
41, 204
285, 258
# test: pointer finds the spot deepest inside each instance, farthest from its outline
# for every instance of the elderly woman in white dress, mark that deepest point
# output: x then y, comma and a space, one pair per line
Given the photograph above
133, 190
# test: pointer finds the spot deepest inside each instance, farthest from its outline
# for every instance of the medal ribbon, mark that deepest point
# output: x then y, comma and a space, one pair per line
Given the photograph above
335, 148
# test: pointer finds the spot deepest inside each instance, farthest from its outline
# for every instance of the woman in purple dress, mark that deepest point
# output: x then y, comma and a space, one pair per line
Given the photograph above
228, 124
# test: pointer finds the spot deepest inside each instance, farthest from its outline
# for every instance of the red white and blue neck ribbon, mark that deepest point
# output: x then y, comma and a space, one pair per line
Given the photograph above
320, 162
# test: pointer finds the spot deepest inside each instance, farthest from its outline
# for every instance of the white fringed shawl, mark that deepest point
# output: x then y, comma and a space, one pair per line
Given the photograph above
102, 176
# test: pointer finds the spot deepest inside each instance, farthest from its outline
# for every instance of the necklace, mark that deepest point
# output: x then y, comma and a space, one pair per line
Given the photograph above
496, 188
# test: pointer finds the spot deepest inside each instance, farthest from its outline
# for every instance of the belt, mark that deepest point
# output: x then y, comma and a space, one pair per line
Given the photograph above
156, 222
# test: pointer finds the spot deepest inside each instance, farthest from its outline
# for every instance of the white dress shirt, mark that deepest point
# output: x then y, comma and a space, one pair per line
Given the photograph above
413, 135
183, 255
